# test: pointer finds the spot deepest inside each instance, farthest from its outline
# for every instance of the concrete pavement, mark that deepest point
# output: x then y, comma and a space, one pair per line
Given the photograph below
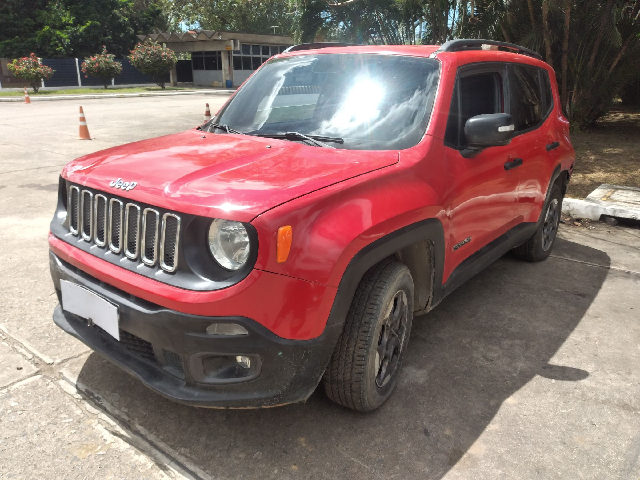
527, 371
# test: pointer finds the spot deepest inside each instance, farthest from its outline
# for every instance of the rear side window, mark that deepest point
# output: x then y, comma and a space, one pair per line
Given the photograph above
526, 97
474, 94
546, 90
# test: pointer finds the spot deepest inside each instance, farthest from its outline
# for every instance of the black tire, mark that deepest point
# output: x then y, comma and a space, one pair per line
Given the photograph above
354, 377
539, 246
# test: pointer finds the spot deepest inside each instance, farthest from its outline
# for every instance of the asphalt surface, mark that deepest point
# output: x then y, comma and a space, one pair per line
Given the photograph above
527, 371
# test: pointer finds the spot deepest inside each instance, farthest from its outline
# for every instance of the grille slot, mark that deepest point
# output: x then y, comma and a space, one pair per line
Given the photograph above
115, 225
74, 210
100, 215
131, 230
169, 242
149, 248
86, 215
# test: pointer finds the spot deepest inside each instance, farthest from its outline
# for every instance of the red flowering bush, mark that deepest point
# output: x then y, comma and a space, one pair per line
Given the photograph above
30, 69
102, 66
153, 59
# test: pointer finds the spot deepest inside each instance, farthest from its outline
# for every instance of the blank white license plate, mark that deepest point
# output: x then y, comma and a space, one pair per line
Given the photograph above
90, 306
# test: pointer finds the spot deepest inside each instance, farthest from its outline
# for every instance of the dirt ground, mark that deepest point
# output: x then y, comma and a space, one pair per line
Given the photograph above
609, 153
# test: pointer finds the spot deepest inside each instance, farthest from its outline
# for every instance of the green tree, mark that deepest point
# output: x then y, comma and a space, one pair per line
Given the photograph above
593, 45
254, 16
75, 28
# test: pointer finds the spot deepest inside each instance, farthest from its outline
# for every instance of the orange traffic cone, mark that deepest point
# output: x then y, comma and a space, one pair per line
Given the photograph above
26, 96
84, 131
207, 114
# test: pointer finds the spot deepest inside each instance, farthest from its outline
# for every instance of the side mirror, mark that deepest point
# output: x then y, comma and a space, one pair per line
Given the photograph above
492, 130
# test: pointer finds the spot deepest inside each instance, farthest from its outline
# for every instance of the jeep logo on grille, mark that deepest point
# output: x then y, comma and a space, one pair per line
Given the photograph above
123, 185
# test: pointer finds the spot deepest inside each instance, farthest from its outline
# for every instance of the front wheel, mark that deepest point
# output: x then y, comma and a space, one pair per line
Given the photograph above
538, 247
364, 366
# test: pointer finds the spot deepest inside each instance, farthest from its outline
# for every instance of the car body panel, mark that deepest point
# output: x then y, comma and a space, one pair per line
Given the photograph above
234, 177
337, 201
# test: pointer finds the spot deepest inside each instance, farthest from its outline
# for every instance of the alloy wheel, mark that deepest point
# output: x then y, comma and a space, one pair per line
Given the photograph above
391, 340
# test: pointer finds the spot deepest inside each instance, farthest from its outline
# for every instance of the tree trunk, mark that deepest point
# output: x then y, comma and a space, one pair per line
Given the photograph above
621, 53
531, 15
505, 32
545, 31
565, 53
596, 45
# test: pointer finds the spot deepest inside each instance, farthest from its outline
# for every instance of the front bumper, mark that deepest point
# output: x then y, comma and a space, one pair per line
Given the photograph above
162, 348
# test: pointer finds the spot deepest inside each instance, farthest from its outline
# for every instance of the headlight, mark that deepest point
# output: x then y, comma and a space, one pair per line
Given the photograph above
229, 243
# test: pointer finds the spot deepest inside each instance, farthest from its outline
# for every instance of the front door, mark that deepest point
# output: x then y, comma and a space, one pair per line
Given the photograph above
483, 189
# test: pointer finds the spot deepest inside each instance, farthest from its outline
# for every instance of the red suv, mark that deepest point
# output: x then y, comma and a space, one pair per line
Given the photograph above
340, 192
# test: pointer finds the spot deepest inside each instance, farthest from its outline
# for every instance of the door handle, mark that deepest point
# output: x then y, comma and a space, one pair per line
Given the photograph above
553, 145
516, 162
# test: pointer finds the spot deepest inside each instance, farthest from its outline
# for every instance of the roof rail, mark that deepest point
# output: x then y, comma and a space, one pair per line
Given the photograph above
476, 44
313, 46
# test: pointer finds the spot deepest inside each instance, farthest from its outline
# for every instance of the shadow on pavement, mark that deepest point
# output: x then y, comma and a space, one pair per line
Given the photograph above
465, 358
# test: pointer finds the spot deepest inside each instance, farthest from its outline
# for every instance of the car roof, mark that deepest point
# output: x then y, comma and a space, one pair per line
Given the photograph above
410, 50
460, 57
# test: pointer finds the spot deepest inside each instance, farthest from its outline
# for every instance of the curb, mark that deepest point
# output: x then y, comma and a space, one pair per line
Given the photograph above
593, 211
53, 98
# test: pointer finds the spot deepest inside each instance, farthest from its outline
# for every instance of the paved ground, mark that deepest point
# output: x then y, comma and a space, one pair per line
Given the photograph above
527, 371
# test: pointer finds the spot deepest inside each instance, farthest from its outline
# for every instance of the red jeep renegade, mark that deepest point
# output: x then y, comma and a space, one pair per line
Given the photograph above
340, 191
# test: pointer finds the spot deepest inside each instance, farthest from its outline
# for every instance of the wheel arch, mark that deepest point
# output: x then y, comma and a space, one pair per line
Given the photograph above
420, 246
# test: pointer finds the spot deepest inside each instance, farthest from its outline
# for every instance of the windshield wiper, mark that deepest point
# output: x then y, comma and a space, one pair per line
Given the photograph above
314, 139
220, 126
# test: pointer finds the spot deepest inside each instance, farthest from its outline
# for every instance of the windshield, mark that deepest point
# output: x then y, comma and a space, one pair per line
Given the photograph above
365, 101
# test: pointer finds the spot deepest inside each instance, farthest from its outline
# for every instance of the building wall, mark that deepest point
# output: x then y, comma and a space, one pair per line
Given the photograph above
203, 78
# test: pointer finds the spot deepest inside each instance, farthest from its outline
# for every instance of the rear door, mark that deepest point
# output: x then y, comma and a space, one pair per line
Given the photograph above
482, 200
531, 102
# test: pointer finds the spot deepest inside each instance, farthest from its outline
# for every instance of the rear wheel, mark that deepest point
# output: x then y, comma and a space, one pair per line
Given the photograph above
538, 247
364, 366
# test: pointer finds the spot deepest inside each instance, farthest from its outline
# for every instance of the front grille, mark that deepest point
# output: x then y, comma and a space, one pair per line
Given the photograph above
170, 361
121, 226
133, 343
137, 345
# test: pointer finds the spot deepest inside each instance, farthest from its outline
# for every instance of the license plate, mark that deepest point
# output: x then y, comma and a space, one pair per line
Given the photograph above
90, 306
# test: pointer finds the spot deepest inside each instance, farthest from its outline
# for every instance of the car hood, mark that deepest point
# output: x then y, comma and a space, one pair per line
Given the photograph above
223, 176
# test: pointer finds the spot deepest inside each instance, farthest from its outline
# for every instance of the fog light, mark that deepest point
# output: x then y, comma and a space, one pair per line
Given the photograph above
244, 362
226, 329
227, 368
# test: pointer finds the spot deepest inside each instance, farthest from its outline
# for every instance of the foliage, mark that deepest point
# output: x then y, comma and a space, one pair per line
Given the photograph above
75, 28
254, 16
593, 45
102, 66
30, 69
153, 59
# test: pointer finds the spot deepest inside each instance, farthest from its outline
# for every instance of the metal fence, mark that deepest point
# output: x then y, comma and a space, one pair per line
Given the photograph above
67, 73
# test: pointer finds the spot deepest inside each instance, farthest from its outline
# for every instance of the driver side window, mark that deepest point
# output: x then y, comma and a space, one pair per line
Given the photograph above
474, 94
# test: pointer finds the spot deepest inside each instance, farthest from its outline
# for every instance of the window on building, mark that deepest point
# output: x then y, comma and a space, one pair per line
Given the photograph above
250, 57
206, 60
